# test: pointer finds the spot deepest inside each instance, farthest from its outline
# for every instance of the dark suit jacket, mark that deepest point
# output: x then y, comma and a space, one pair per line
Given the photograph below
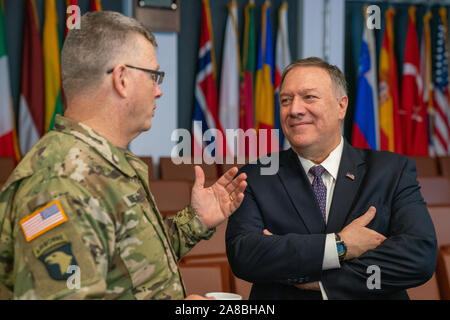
285, 205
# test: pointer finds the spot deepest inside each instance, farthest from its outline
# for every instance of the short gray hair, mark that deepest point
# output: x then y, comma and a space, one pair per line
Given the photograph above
336, 75
88, 52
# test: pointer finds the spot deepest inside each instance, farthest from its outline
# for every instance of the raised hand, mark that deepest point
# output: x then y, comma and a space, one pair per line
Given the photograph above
216, 203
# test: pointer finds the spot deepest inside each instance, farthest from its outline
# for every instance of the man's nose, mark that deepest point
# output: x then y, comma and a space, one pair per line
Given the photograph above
158, 91
297, 107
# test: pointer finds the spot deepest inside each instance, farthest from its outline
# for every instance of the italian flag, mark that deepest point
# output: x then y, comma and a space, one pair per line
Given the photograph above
31, 108
8, 142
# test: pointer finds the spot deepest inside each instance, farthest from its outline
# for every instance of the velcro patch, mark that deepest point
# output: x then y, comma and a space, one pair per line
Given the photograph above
43, 220
58, 262
49, 244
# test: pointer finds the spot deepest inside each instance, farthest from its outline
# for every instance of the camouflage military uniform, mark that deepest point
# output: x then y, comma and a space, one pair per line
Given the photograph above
113, 233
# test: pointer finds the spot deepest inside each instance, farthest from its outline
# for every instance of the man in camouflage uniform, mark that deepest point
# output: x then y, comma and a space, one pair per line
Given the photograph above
77, 217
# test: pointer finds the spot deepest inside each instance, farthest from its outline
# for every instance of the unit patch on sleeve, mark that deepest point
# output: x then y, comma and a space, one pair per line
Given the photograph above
43, 220
58, 262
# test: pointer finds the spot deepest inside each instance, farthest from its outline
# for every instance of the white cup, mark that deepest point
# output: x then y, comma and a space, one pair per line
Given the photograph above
223, 296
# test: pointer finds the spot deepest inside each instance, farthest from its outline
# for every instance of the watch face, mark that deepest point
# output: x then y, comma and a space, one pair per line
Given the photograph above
340, 249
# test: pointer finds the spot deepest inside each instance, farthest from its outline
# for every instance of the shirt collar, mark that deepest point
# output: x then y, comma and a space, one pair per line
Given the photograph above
100, 144
331, 163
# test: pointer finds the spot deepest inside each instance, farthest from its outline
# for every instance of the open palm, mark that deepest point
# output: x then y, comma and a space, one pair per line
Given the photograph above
216, 203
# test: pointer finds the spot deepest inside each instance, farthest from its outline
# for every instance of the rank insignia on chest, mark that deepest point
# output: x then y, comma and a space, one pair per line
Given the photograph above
134, 198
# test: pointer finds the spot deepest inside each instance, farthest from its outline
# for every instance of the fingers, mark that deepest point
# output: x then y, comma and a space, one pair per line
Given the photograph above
378, 236
267, 232
366, 217
238, 186
235, 187
235, 183
227, 177
199, 177
237, 200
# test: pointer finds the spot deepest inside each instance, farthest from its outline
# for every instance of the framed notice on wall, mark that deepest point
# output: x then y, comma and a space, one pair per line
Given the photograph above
159, 15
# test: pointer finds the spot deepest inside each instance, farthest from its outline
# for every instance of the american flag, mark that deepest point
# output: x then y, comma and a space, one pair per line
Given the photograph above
441, 95
42, 220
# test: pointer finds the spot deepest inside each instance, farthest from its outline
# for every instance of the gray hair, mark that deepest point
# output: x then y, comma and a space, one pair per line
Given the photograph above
89, 51
336, 75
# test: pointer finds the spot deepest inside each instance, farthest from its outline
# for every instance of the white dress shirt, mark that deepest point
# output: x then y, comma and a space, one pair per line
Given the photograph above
331, 165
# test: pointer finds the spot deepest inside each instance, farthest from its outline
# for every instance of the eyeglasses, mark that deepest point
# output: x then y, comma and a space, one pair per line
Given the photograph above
157, 76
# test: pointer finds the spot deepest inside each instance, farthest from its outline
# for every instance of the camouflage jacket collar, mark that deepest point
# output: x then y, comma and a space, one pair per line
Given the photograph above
99, 143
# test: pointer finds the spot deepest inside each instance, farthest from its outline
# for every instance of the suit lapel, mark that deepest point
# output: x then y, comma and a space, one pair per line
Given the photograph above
351, 172
300, 191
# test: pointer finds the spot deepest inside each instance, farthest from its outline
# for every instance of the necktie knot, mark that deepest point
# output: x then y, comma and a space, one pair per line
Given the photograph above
317, 171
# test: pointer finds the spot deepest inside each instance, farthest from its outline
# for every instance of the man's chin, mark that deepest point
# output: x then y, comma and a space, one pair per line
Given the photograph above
299, 142
146, 127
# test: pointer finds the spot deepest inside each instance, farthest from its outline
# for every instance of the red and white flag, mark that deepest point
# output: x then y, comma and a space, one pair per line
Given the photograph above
282, 60
441, 138
229, 80
413, 113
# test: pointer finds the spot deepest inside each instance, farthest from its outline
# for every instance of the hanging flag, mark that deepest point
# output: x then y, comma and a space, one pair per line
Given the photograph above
366, 129
31, 107
68, 4
95, 5
264, 84
282, 60
52, 65
390, 134
8, 140
229, 80
413, 115
206, 114
441, 93
425, 71
246, 116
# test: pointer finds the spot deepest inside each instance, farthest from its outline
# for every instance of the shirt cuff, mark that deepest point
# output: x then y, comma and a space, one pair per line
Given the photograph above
322, 290
330, 257
189, 217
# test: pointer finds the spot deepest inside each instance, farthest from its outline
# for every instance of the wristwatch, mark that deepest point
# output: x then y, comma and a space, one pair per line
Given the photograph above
341, 248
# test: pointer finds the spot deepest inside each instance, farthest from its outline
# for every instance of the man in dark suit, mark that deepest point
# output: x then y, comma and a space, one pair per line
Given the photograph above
335, 222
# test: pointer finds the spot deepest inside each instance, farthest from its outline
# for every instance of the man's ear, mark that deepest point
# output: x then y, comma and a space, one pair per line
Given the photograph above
120, 80
343, 104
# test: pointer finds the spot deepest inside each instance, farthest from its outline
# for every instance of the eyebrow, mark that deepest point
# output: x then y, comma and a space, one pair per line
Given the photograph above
302, 91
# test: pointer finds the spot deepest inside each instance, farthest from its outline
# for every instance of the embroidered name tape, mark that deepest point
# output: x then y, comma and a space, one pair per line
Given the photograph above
43, 220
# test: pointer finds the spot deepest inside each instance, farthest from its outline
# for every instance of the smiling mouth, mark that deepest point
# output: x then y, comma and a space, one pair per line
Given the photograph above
299, 124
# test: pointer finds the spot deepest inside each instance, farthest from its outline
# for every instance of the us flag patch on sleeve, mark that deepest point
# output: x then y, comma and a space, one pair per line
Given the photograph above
43, 220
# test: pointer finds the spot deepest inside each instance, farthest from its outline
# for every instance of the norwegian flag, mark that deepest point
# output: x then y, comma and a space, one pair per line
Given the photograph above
206, 115
441, 95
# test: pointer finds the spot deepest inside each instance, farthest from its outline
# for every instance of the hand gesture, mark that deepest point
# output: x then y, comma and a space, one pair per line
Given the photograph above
216, 203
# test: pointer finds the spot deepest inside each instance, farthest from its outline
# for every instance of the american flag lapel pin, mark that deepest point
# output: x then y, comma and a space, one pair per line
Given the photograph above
350, 176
